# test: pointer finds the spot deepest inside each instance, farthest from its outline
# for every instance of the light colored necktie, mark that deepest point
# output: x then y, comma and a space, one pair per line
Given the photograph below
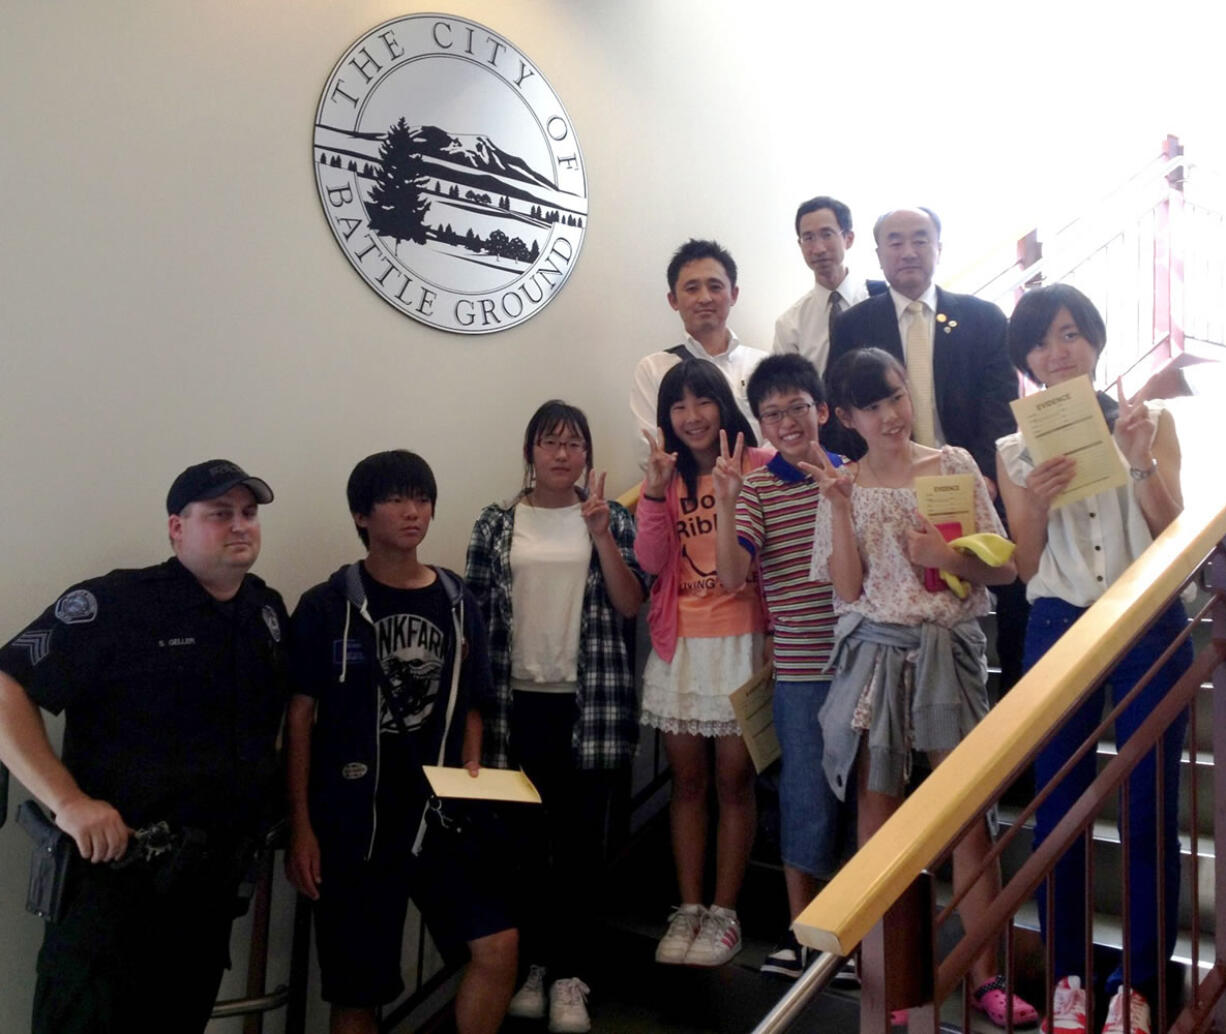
919, 373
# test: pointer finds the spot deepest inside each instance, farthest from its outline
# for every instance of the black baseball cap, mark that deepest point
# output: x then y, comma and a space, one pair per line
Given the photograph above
210, 479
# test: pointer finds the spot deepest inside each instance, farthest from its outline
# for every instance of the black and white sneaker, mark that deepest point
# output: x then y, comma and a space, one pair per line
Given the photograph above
789, 959
848, 975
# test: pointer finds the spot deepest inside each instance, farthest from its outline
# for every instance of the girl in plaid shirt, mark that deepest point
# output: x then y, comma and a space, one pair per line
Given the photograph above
556, 580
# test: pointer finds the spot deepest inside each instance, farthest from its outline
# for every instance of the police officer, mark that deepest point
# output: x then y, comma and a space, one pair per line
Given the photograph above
172, 680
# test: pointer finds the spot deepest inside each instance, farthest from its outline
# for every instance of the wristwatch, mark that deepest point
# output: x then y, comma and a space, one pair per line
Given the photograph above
1142, 474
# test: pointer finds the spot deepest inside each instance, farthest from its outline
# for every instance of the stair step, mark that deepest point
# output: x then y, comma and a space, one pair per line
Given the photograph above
632, 992
1109, 933
1107, 869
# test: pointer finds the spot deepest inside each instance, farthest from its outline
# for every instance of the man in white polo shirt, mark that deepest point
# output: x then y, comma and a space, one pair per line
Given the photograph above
702, 289
824, 234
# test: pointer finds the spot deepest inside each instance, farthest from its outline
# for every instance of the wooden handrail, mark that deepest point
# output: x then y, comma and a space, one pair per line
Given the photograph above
973, 776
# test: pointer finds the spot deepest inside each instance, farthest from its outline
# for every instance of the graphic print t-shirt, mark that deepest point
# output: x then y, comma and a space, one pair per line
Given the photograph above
705, 609
412, 640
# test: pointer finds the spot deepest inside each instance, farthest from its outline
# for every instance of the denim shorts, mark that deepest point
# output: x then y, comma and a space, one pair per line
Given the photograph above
816, 825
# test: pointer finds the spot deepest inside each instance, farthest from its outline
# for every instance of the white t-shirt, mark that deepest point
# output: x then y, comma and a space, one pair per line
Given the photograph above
550, 555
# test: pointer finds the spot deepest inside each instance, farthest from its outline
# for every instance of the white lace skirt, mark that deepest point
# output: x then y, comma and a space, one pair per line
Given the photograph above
690, 695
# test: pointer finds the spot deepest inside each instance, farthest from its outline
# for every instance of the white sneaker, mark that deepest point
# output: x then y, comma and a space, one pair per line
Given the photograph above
528, 1002
568, 1007
719, 938
683, 926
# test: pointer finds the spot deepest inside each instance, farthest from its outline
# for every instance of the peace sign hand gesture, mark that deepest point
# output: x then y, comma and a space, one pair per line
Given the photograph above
726, 475
660, 465
595, 508
1135, 430
834, 484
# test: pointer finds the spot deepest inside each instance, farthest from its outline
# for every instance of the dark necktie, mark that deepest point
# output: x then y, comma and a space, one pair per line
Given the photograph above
836, 306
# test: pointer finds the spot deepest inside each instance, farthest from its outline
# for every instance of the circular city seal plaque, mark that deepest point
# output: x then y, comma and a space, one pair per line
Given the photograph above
450, 173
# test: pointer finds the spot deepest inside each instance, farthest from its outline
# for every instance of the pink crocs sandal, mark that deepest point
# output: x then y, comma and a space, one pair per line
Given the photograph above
991, 1000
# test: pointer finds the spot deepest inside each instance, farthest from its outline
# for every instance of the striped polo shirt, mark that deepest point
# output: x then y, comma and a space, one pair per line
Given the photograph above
774, 522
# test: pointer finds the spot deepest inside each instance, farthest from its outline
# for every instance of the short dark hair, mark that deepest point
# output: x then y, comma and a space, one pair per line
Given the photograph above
693, 250
842, 214
548, 418
1035, 312
779, 373
385, 474
858, 379
936, 220
704, 380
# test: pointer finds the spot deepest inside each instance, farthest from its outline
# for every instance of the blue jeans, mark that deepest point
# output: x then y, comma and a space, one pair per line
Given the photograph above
1049, 619
815, 824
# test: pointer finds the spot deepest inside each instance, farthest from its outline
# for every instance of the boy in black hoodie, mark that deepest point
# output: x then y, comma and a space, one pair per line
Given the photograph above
391, 672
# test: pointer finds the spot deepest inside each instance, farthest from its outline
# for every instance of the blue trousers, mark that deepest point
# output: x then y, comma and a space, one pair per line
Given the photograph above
1049, 619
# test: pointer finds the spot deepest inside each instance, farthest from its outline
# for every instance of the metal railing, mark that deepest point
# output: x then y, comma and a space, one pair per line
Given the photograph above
1152, 254
883, 900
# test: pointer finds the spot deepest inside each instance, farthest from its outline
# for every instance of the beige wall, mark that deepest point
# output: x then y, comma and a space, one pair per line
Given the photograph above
169, 290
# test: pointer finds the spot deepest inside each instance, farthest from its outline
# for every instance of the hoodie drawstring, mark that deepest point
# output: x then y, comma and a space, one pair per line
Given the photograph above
345, 642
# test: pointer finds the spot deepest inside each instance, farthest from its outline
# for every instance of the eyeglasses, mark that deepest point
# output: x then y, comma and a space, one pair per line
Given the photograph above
796, 411
809, 237
574, 446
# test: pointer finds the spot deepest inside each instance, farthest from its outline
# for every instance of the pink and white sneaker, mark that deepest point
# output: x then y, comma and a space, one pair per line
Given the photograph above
719, 938
1115, 1014
1068, 1008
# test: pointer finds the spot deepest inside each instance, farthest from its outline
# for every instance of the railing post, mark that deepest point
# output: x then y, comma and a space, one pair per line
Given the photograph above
299, 968
897, 959
1172, 148
1168, 322
257, 960
1215, 580
1029, 251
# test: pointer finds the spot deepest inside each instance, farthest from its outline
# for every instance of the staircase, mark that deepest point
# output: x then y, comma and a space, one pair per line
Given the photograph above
1197, 874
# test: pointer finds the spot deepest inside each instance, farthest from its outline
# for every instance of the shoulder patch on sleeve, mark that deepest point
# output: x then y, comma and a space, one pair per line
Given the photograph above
78, 607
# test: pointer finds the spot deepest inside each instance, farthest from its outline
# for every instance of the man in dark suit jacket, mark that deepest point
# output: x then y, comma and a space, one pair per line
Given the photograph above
972, 377
973, 380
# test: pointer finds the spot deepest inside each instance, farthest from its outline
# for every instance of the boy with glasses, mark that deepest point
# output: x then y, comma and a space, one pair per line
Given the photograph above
767, 515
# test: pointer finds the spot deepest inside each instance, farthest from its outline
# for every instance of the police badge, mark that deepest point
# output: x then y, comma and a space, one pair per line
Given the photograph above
78, 607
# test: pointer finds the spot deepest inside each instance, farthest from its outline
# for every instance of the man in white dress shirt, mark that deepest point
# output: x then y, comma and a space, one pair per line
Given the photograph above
824, 234
702, 290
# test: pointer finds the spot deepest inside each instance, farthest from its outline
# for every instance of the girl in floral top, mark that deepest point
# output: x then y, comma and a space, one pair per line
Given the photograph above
911, 665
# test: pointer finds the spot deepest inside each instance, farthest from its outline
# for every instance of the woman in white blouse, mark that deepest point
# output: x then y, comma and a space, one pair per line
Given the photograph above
1068, 556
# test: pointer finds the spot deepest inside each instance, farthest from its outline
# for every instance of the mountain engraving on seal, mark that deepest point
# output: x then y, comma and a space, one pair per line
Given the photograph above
460, 195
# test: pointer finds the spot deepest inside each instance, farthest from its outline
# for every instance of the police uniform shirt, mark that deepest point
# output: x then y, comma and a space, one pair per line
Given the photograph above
172, 699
